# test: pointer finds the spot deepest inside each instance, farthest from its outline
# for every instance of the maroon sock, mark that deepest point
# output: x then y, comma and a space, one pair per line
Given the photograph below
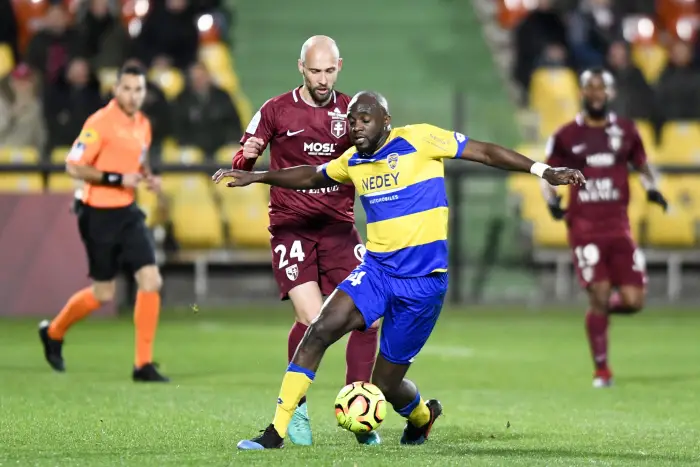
597, 330
296, 334
360, 355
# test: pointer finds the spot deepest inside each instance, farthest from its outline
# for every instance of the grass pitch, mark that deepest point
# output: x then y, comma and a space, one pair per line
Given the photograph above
516, 388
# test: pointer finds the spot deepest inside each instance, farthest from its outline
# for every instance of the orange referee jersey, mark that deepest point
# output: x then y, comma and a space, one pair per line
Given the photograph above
111, 141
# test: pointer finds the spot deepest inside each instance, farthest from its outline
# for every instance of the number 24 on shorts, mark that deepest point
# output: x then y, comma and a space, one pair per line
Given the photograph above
355, 278
295, 252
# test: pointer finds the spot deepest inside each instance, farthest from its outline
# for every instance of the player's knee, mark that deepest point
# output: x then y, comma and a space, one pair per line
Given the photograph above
104, 291
634, 303
149, 279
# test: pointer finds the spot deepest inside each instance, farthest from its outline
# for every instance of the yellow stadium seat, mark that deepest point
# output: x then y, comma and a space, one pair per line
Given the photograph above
680, 143
651, 60
108, 78
646, 132
22, 155
21, 183
534, 151
674, 228
185, 155
58, 155
554, 96
216, 57
7, 61
63, 183
170, 80
225, 154
246, 210
683, 191
148, 202
169, 144
192, 185
547, 232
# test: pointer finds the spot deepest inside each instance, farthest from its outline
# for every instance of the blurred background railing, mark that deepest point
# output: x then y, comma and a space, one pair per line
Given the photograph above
504, 71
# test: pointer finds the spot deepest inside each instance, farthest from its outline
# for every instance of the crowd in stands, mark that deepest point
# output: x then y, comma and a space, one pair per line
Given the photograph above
65, 58
650, 46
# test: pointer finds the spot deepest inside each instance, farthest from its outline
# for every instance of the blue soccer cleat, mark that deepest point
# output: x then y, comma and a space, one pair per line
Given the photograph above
269, 439
418, 435
368, 439
300, 427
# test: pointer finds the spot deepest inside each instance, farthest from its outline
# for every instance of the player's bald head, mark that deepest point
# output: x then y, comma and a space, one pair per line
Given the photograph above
319, 47
369, 102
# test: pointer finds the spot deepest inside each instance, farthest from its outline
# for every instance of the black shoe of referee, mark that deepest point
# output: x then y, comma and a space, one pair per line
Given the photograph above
149, 374
53, 349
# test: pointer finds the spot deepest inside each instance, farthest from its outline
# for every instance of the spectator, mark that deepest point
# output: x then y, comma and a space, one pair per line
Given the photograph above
542, 27
205, 116
21, 122
592, 28
677, 90
104, 41
8, 26
170, 34
553, 56
634, 97
157, 109
51, 48
70, 102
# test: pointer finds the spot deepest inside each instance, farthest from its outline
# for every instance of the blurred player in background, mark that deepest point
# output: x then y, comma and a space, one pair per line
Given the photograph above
608, 263
403, 277
314, 241
110, 155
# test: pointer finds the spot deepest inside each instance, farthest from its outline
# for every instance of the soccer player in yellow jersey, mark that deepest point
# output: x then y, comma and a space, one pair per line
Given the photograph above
399, 175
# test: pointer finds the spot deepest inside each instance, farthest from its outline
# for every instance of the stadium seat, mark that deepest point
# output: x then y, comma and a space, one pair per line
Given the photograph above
246, 210
534, 151
7, 61
216, 57
225, 154
108, 78
169, 80
193, 212
58, 155
21, 183
683, 191
651, 59
63, 183
680, 143
554, 96
547, 232
648, 135
185, 155
148, 202
22, 155
674, 228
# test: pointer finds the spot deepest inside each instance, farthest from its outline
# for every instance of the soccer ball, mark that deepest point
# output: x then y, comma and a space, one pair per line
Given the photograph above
360, 407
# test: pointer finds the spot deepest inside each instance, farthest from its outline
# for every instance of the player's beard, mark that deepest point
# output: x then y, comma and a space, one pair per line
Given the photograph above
596, 113
319, 99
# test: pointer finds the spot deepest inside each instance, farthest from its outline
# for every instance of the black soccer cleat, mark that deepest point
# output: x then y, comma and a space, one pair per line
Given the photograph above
53, 349
418, 435
269, 439
149, 374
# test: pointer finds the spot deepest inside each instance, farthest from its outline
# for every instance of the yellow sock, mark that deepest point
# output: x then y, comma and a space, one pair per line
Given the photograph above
295, 383
420, 415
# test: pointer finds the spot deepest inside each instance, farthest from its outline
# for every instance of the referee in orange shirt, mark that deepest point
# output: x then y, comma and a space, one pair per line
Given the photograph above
110, 157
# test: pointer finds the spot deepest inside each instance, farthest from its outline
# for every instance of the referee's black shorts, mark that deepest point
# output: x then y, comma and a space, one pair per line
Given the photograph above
115, 238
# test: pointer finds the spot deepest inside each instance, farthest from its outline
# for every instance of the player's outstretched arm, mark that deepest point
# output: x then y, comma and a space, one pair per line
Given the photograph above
302, 177
507, 159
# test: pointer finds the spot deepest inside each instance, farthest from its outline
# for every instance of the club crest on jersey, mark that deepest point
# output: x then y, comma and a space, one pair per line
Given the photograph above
339, 128
615, 135
292, 272
392, 161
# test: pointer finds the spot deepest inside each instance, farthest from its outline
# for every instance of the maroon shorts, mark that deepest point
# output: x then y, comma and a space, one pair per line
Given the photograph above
325, 256
616, 260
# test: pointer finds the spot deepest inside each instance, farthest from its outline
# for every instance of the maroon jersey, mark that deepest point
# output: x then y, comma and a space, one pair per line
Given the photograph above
603, 155
300, 134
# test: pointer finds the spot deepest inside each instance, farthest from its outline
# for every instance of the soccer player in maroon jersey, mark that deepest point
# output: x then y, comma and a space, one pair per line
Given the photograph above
314, 241
608, 263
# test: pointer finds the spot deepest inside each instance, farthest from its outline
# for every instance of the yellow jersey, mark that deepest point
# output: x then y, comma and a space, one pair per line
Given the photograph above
402, 189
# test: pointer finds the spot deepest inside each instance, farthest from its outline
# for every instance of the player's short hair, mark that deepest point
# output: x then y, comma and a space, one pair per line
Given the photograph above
131, 69
381, 100
607, 77
310, 41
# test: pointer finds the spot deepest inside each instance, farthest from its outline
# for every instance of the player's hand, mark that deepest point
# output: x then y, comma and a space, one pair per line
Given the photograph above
153, 183
240, 177
555, 208
131, 180
563, 176
655, 196
253, 147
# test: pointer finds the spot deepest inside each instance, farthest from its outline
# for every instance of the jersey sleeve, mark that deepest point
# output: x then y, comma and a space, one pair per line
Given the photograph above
262, 125
437, 143
638, 155
554, 151
337, 169
87, 145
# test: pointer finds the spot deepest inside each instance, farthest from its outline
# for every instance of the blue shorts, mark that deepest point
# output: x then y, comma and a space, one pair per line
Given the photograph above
410, 307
